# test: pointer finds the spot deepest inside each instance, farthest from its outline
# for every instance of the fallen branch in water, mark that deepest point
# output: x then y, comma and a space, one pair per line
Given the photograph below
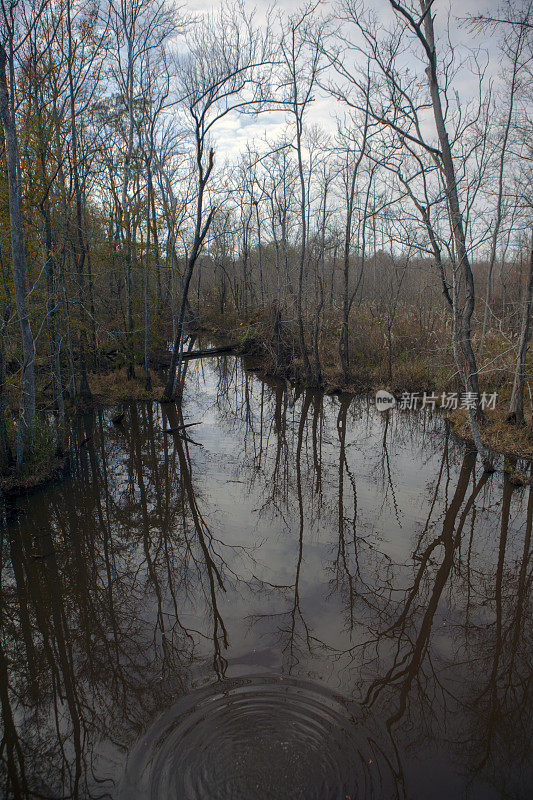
179, 428
189, 441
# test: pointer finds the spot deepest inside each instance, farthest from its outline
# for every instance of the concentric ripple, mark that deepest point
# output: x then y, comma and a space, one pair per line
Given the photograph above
266, 738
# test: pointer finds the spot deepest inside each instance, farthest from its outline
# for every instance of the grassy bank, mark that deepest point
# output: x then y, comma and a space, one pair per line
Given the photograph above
42, 462
409, 360
420, 362
416, 356
114, 387
497, 434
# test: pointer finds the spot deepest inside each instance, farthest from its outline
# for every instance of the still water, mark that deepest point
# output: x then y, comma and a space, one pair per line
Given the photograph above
296, 598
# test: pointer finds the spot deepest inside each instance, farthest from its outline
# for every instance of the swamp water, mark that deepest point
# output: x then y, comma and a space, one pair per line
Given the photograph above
301, 598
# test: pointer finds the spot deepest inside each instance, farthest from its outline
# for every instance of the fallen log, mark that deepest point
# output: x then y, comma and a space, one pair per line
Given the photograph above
163, 359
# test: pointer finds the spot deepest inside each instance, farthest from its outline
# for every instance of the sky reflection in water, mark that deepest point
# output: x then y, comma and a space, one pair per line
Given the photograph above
307, 538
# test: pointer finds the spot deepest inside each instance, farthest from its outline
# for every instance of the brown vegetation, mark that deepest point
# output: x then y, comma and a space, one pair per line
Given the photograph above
394, 251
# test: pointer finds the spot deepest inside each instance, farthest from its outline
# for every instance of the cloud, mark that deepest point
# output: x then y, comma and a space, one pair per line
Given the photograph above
233, 132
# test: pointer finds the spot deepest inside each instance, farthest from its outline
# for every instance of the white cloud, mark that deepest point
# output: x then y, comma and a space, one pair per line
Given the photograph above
232, 133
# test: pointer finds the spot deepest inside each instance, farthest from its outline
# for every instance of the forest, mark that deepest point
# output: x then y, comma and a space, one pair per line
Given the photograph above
372, 231
266, 419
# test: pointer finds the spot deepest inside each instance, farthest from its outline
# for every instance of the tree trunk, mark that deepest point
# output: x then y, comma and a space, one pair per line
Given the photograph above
200, 233
27, 380
53, 326
147, 376
90, 286
303, 252
6, 457
175, 362
126, 214
343, 340
516, 406
5, 450
156, 248
79, 251
465, 340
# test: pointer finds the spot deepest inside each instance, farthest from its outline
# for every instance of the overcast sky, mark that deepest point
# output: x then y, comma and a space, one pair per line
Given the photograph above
233, 132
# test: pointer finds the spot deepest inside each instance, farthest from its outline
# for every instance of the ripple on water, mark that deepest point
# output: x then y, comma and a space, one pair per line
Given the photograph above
261, 738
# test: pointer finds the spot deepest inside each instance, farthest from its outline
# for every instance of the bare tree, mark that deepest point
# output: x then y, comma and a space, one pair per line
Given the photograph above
155, 85
516, 47
8, 46
218, 76
140, 29
354, 151
396, 104
301, 52
462, 341
80, 247
5, 451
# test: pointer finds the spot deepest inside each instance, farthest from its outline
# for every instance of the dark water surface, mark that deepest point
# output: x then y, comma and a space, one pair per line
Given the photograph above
309, 600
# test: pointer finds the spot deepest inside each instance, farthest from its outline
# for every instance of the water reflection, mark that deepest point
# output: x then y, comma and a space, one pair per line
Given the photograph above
290, 535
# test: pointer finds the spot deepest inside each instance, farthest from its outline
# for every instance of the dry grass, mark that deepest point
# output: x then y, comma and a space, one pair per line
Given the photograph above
496, 433
422, 361
34, 477
114, 386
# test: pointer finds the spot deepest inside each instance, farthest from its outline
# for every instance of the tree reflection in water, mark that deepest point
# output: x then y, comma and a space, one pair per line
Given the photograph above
303, 535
